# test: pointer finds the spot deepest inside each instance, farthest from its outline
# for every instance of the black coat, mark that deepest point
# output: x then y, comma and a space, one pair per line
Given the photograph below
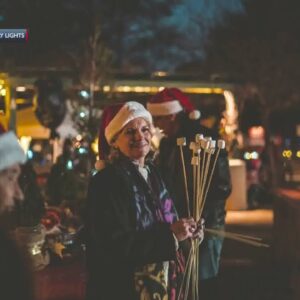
114, 245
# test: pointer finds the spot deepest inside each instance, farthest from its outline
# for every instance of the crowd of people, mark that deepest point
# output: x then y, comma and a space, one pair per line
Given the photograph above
137, 229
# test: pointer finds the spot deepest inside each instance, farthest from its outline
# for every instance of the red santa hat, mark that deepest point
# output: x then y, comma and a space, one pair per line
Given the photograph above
10, 150
114, 118
171, 101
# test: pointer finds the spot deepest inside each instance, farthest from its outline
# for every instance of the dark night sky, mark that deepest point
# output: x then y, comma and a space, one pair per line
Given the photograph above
193, 18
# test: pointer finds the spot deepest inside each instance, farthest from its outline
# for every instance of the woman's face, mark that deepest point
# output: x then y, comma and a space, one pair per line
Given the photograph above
9, 188
134, 140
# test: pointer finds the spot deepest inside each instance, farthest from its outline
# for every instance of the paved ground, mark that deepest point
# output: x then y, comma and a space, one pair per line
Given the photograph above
247, 272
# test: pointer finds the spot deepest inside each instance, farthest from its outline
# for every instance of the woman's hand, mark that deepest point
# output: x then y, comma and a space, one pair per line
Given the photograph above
199, 232
184, 228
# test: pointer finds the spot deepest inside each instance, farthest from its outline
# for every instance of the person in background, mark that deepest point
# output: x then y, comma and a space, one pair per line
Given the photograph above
173, 113
133, 231
15, 284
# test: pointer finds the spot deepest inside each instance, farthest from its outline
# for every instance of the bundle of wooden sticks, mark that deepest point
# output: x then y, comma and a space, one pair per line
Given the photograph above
205, 153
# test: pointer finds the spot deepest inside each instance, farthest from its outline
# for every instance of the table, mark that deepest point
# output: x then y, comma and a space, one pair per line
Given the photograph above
64, 281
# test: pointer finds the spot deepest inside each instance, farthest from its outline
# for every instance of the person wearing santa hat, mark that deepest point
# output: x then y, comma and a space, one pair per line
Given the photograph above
15, 283
132, 225
176, 116
11, 156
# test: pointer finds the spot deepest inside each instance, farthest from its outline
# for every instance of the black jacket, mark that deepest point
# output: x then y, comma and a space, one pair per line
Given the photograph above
114, 246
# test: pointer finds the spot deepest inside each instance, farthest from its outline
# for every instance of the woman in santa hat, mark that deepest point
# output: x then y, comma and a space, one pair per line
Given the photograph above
132, 225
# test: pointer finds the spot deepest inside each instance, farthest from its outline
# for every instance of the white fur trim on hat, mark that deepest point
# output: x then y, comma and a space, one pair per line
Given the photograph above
164, 108
129, 111
195, 114
10, 151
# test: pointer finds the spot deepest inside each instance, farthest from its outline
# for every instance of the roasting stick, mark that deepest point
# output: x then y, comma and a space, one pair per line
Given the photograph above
182, 142
249, 237
194, 164
198, 139
186, 275
194, 292
197, 217
220, 145
238, 235
206, 146
233, 236
188, 264
188, 279
194, 249
191, 288
210, 151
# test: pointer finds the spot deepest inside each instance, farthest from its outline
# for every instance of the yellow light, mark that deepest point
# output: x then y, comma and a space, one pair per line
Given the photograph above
147, 89
20, 101
124, 88
160, 73
287, 153
139, 89
20, 88
25, 142
155, 89
37, 147
106, 88
36, 249
3, 92
247, 155
95, 146
202, 90
298, 154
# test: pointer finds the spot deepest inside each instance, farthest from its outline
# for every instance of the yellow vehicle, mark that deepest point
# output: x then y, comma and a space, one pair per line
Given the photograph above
17, 109
4, 101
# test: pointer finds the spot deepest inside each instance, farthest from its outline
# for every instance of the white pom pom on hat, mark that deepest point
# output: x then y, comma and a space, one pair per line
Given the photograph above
171, 101
195, 114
